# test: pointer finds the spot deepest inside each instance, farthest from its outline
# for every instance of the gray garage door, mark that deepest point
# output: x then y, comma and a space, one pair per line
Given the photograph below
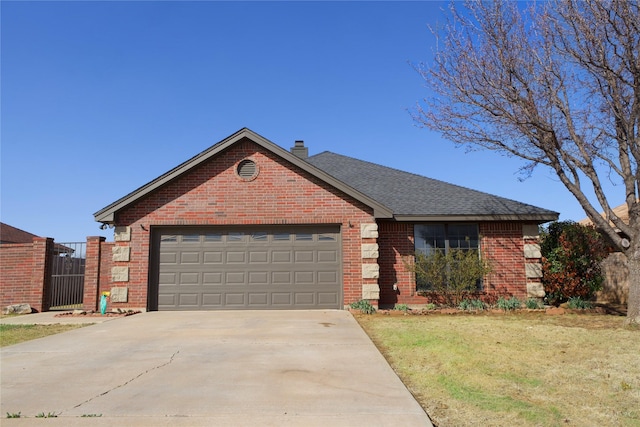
248, 268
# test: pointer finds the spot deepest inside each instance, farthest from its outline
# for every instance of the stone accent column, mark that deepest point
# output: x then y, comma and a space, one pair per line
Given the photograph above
121, 254
533, 261
370, 270
91, 297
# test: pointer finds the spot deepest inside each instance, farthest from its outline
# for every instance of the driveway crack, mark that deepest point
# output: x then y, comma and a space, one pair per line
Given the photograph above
130, 380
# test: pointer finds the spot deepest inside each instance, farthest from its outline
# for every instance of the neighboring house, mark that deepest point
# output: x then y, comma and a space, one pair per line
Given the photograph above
9, 234
248, 225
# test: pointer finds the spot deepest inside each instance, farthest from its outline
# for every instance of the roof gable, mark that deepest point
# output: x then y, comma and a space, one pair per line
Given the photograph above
107, 214
418, 198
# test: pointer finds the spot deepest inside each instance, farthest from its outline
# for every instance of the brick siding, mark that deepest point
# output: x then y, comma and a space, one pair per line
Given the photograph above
213, 194
502, 246
24, 273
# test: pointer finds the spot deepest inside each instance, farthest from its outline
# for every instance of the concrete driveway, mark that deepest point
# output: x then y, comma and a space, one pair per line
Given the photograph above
235, 368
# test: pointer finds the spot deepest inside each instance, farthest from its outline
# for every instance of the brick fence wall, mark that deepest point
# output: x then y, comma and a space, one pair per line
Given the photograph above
24, 273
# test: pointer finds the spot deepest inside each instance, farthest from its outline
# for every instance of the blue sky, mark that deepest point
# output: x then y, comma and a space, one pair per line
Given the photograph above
98, 98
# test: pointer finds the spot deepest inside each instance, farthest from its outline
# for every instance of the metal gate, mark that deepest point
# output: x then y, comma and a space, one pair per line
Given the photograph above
68, 262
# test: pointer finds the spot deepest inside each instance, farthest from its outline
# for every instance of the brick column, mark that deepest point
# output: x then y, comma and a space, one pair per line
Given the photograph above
91, 295
41, 273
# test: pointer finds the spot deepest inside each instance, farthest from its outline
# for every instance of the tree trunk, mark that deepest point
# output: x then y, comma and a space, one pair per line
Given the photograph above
633, 303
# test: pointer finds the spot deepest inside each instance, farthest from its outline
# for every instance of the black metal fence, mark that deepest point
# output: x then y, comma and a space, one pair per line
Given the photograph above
68, 262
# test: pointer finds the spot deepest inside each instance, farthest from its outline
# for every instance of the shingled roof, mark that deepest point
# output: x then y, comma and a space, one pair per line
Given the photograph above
415, 197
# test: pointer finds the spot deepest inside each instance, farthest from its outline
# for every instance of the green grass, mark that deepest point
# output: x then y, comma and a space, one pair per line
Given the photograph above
525, 369
14, 334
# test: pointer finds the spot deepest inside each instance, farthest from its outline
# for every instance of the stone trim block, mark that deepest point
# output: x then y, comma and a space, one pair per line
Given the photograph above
532, 251
371, 291
370, 250
533, 270
121, 253
119, 294
370, 271
535, 290
119, 274
530, 231
369, 231
122, 234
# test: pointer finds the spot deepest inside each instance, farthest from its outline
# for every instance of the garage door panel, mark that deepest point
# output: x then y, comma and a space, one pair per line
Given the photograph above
211, 257
236, 257
213, 278
258, 278
190, 258
211, 299
188, 300
281, 299
168, 257
258, 298
261, 257
283, 267
304, 298
231, 299
327, 298
281, 278
189, 278
327, 277
234, 277
327, 256
168, 279
304, 277
281, 257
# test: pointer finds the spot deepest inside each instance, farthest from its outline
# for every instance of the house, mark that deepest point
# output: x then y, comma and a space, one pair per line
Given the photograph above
247, 224
10, 234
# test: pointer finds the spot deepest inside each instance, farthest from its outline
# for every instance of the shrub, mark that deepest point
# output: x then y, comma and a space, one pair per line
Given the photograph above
364, 306
401, 307
452, 275
471, 305
571, 257
577, 303
505, 304
533, 304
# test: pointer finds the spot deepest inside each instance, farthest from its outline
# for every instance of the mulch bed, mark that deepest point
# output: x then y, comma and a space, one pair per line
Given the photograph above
82, 313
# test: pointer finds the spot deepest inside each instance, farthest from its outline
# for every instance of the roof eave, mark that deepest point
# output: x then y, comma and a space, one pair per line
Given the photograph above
107, 215
539, 218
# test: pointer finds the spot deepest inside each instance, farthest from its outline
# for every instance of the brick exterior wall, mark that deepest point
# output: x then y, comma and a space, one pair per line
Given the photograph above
213, 194
502, 245
24, 275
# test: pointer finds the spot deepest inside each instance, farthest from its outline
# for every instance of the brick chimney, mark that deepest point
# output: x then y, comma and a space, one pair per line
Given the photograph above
300, 150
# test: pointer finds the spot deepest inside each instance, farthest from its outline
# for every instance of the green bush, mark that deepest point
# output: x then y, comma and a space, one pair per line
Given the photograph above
577, 303
471, 305
401, 307
533, 304
505, 304
453, 276
364, 306
571, 257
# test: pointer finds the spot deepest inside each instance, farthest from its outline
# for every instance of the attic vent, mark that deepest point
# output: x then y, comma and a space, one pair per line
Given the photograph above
247, 169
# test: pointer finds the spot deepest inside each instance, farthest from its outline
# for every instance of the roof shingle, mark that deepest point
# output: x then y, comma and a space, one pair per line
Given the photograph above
411, 195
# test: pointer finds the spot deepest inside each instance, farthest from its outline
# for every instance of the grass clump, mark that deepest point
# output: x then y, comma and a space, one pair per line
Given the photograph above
533, 304
508, 304
401, 307
471, 305
577, 303
364, 306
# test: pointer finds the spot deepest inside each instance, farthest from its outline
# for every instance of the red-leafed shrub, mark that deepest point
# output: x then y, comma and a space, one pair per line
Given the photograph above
571, 257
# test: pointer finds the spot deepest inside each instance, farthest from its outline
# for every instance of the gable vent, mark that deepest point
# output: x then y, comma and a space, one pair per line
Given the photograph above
247, 169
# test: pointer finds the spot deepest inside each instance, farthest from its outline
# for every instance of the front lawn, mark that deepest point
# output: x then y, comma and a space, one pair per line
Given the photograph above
14, 334
525, 369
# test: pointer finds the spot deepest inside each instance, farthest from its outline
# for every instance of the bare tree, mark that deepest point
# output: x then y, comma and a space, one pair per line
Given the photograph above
556, 83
